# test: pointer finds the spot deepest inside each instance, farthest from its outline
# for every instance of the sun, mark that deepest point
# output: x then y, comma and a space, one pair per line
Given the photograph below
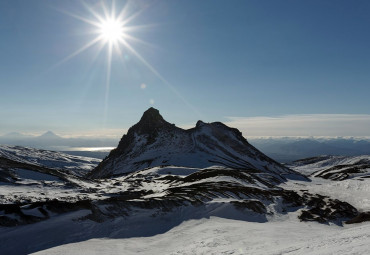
111, 30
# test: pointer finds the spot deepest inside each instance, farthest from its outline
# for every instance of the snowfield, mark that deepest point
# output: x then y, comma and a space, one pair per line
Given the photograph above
355, 192
334, 167
354, 189
216, 228
225, 236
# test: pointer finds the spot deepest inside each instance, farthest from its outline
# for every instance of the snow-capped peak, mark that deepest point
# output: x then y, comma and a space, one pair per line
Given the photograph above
155, 142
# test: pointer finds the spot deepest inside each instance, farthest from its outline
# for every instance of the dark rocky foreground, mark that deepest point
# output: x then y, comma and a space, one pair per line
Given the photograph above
195, 190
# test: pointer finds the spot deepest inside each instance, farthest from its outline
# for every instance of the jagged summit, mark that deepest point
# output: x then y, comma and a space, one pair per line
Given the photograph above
150, 122
155, 142
199, 123
152, 116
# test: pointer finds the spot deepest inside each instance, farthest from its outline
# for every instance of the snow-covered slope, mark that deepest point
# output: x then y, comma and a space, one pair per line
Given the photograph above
156, 200
30, 175
334, 167
140, 216
155, 142
226, 236
159, 189
143, 206
51, 159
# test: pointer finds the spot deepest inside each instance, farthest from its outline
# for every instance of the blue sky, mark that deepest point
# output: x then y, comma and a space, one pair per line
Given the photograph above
213, 60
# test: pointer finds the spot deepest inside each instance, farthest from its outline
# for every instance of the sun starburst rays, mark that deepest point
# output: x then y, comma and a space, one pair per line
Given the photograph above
112, 32
109, 29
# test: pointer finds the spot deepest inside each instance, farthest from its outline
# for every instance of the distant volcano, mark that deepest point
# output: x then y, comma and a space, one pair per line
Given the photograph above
49, 135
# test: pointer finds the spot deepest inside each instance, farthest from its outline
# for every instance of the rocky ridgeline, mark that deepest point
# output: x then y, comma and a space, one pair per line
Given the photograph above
155, 142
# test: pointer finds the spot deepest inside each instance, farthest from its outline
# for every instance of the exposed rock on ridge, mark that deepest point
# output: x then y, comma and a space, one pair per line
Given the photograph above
155, 142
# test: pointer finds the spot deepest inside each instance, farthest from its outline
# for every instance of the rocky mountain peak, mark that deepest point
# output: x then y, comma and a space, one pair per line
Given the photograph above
151, 116
154, 142
150, 122
199, 123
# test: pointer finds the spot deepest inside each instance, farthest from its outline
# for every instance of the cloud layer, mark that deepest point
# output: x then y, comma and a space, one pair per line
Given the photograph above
303, 125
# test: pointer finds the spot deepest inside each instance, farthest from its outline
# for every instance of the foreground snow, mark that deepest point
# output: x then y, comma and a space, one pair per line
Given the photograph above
224, 236
47, 208
281, 234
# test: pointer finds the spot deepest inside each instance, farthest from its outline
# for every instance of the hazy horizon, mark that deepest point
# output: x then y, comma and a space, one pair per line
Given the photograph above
305, 125
118, 134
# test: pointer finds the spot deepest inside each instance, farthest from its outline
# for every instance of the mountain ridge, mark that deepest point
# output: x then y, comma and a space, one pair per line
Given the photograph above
154, 142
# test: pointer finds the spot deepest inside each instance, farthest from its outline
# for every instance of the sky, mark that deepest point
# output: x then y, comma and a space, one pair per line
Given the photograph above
270, 68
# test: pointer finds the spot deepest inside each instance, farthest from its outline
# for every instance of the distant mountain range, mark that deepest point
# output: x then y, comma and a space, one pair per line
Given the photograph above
285, 149
290, 149
52, 141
